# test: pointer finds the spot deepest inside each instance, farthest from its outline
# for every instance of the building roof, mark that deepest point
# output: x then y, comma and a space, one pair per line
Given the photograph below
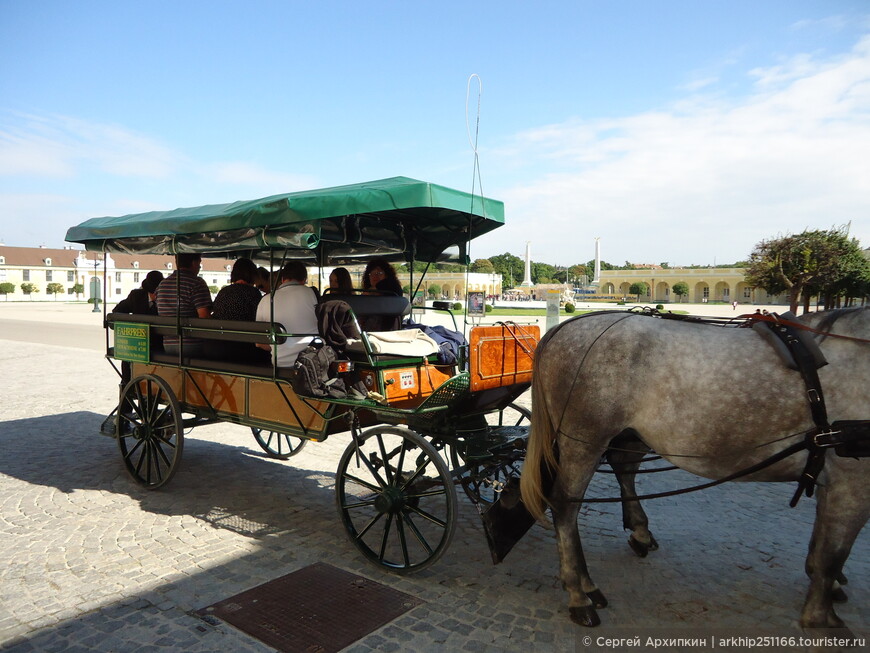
35, 257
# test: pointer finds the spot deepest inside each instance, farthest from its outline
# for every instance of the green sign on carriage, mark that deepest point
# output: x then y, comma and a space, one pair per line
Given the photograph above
131, 342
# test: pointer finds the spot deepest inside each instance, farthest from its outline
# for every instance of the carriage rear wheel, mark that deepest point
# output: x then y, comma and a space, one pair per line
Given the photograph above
150, 431
278, 445
396, 499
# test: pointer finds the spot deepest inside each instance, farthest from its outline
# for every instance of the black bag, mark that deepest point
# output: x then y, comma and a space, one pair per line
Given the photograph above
312, 378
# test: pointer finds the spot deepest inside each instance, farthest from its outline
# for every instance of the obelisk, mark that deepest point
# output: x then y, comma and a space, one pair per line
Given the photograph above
527, 275
597, 275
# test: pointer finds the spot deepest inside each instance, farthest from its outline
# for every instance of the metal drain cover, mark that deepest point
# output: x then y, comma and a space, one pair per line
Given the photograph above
318, 609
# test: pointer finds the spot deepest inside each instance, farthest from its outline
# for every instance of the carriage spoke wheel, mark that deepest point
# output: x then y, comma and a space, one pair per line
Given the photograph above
483, 481
396, 499
150, 431
278, 445
511, 415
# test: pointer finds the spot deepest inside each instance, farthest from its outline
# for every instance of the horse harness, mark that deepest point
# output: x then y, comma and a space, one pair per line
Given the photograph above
848, 438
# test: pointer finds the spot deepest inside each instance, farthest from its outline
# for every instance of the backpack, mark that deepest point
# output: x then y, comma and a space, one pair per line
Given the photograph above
312, 373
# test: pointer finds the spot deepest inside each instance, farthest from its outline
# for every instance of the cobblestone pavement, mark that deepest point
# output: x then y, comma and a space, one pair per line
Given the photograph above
90, 562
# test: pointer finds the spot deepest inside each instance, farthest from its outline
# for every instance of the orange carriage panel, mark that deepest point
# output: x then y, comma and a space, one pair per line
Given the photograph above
222, 392
501, 355
407, 387
172, 375
267, 402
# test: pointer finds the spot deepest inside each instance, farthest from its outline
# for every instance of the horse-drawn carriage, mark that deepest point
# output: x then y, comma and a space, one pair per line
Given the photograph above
419, 427
613, 384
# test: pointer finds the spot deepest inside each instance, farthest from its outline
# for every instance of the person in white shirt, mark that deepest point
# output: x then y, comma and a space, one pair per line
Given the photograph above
294, 304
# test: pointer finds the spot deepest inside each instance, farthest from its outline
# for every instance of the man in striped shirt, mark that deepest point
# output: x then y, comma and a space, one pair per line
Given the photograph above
184, 293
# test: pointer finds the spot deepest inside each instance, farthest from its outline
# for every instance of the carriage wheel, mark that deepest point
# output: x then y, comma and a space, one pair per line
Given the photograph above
278, 445
483, 481
150, 432
511, 415
396, 499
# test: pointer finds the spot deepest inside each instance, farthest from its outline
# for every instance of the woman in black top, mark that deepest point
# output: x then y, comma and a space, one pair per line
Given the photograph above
141, 300
237, 301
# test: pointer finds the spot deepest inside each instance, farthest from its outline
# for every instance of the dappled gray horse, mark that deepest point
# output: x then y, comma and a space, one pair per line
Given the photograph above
712, 401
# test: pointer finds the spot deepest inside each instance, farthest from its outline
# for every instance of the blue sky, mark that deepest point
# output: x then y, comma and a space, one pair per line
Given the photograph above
675, 131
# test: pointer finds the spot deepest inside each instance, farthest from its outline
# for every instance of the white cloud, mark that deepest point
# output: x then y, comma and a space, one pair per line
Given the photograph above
60, 146
260, 180
704, 179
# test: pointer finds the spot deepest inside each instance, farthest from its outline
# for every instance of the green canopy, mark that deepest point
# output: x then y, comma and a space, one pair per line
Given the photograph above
398, 218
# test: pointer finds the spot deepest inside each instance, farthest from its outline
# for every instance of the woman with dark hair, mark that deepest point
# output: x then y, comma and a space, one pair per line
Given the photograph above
340, 281
381, 276
263, 280
237, 301
141, 300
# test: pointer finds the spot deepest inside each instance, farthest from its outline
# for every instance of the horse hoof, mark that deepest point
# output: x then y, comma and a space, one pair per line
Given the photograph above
584, 616
598, 599
830, 623
641, 549
838, 595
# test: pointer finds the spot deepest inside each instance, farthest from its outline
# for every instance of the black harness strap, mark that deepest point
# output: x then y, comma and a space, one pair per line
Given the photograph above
807, 366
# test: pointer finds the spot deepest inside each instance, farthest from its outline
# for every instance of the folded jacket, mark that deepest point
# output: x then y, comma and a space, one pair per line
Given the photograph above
407, 342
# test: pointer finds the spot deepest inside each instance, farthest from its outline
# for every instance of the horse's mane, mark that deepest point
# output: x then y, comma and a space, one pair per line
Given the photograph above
829, 318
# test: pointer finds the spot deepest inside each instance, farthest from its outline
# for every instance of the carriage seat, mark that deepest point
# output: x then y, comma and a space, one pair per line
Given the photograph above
208, 328
375, 312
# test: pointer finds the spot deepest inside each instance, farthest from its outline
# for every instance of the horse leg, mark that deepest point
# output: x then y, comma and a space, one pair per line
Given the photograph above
840, 515
838, 594
625, 460
583, 595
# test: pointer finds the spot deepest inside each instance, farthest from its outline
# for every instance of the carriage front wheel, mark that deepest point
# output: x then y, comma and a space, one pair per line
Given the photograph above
278, 445
150, 432
484, 477
396, 499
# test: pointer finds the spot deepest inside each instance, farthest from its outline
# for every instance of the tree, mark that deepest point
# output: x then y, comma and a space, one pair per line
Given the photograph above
578, 271
853, 281
604, 265
28, 287
510, 268
639, 288
78, 289
542, 272
482, 265
7, 289
54, 289
680, 288
560, 275
813, 262
435, 290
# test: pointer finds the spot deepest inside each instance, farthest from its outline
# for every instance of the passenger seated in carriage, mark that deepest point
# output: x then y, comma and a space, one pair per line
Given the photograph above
184, 293
237, 301
340, 282
294, 304
380, 278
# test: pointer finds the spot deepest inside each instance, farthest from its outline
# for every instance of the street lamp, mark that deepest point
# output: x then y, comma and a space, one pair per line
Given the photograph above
95, 287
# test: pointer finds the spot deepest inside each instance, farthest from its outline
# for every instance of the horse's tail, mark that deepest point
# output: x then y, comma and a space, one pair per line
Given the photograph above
541, 464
